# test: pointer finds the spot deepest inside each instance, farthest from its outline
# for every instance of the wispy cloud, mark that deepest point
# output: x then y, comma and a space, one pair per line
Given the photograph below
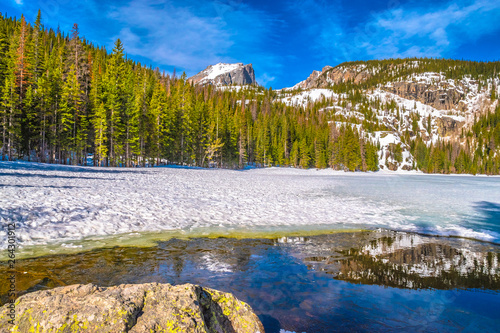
171, 35
265, 79
189, 36
321, 28
18, 2
431, 31
404, 30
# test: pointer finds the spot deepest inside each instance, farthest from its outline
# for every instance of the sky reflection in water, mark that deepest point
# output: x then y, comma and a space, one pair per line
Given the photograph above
370, 281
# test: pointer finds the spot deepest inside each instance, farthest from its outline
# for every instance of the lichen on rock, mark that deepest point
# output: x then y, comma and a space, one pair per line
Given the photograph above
150, 307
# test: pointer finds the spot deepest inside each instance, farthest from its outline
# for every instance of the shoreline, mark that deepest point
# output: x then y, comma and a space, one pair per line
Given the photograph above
73, 206
325, 171
152, 239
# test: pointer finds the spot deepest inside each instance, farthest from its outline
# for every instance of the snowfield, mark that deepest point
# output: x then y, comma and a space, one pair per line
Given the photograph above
221, 68
308, 96
62, 204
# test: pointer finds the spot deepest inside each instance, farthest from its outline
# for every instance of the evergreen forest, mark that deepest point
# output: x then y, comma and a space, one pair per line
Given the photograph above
64, 100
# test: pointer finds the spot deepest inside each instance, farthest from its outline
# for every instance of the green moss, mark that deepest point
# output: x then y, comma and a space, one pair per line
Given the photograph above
151, 239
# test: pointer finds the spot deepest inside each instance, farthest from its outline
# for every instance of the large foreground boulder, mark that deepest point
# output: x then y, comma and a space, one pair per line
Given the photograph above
150, 307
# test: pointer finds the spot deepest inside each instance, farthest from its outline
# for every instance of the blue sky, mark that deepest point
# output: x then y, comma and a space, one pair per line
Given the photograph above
284, 40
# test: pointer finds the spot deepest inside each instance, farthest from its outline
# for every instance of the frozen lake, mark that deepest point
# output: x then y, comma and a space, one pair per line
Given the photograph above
75, 206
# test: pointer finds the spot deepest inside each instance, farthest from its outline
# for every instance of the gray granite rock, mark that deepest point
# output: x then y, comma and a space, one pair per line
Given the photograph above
225, 74
149, 307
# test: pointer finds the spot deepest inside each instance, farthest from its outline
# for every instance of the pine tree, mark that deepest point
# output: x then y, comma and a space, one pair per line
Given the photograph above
10, 129
157, 111
114, 104
71, 119
100, 123
37, 54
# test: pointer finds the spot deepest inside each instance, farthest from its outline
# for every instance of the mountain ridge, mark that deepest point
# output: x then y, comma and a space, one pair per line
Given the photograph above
76, 103
412, 100
225, 74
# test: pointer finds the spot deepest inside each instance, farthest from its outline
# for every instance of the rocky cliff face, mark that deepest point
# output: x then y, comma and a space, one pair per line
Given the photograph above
441, 98
355, 74
330, 76
447, 126
150, 307
225, 74
438, 95
311, 80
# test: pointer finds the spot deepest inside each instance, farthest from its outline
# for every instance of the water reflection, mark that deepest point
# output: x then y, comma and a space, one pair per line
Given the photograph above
412, 261
316, 284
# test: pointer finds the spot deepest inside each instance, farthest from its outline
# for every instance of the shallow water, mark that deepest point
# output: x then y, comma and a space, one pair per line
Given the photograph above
63, 208
364, 281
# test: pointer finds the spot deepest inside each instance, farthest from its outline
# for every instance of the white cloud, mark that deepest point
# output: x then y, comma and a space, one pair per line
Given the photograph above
264, 79
431, 32
19, 2
171, 35
192, 36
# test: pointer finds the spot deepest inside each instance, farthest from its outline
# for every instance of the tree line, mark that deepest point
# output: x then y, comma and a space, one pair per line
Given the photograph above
65, 100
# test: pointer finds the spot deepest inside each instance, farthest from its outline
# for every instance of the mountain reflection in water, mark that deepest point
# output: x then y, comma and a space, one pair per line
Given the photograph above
412, 261
323, 283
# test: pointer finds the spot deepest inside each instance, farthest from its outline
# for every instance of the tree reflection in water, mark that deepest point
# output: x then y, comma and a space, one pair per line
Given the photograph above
323, 283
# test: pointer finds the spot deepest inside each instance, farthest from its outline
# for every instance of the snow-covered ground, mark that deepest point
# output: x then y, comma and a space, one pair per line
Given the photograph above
63, 204
386, 139
307, 96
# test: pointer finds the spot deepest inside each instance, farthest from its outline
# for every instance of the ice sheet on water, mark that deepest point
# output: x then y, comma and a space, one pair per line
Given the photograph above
62, 203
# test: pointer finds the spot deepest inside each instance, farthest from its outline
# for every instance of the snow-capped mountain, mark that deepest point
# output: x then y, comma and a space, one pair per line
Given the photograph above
225, 74
397, 103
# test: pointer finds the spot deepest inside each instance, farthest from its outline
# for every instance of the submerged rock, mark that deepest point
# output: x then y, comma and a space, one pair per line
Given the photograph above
150, 307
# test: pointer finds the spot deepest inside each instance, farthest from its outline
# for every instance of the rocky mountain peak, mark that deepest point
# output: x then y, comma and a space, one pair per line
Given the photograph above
333, 75
310, 81
225, 74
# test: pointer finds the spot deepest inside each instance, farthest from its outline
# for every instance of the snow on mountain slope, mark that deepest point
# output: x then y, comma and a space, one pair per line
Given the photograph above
225, 74
213, 71
305, 97
393, 153
411, 107
428, 105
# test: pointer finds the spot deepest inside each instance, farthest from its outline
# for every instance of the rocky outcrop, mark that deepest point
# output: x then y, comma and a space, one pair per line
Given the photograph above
331, 76
392, 166
150, 307
448, 126
439, 97
311, 80
353, 74
225, 74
